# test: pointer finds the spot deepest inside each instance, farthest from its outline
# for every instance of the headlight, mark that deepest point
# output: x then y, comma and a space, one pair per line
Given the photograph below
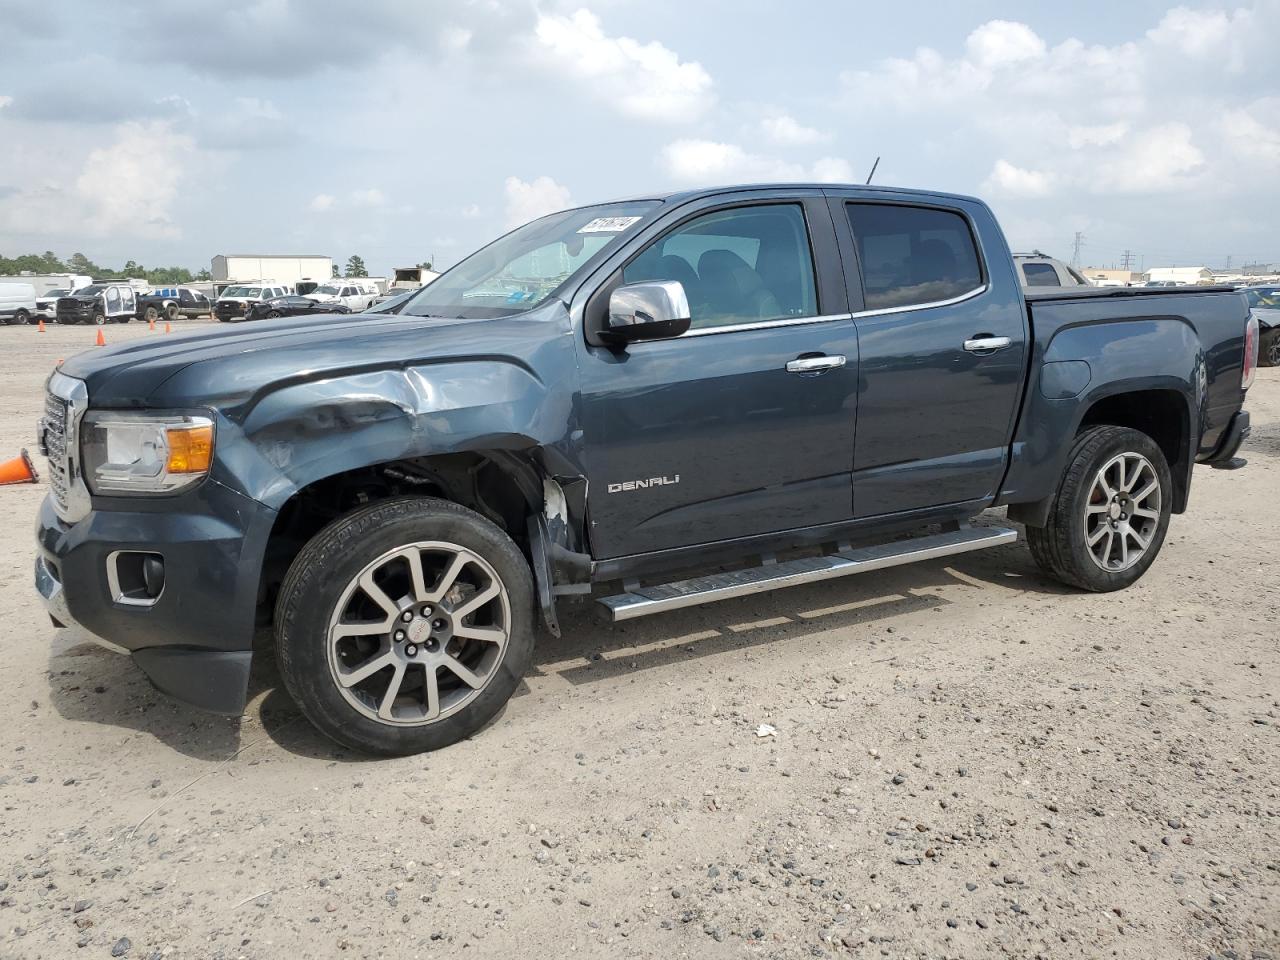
145, 453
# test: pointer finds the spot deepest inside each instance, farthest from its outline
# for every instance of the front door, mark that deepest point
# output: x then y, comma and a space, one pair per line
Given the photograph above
744, 424
942, 352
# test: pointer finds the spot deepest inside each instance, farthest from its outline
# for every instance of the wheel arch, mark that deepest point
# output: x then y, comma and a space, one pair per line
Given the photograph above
1161, 408
515, 489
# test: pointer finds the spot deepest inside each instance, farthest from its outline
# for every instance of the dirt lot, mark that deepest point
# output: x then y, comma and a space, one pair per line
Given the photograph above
969, 761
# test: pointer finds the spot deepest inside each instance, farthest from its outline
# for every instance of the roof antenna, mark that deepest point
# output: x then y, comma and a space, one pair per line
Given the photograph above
873, 171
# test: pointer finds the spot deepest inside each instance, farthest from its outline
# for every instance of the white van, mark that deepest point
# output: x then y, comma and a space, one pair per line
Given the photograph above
17, 302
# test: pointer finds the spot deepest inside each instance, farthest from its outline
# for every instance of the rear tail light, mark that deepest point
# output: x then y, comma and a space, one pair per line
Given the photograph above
1250, 353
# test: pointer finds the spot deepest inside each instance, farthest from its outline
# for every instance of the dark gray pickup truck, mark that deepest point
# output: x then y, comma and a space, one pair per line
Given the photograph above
775, 384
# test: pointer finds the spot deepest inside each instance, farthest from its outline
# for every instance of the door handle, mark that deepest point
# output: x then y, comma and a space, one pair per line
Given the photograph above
985, 343
814, 365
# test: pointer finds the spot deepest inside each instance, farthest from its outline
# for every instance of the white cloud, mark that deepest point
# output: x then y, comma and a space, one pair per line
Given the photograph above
786, 131
321, 202
1156, 160
1207, 35
1014, 181
129, 186
697, 162
1251, 138
471, 211
528, 201
5, 101
1096, 136
645, 80
368, 197
1001, 43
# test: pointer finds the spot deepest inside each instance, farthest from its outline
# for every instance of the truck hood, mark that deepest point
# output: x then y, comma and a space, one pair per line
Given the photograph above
227, 368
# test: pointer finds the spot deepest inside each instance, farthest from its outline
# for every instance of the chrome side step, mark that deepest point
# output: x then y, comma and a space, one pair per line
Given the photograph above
642, 601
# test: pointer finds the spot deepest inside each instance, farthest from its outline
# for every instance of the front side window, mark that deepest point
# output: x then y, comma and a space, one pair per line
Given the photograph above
1040, 275
912, 256
744, 265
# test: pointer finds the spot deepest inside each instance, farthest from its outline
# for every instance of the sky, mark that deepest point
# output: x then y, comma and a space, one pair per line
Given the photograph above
168, 131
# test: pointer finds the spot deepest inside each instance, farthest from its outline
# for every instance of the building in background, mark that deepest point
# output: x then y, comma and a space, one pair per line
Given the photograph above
1187, 275
286, 268
1110, 277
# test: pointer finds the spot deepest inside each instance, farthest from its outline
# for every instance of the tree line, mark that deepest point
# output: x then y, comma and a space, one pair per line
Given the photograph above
78, 263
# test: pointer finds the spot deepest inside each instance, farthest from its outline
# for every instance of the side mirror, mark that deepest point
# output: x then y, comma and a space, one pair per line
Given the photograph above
651, 310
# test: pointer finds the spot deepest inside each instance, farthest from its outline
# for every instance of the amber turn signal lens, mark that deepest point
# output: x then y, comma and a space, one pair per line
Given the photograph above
190, 449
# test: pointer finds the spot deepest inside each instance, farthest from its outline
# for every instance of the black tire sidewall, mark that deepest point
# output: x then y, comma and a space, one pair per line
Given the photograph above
336, 556
1074, 496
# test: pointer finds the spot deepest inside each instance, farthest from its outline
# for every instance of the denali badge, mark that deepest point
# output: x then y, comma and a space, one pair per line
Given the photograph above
643, 484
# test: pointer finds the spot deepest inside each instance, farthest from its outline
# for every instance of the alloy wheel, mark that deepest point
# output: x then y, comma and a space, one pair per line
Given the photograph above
419, 633
1123, 511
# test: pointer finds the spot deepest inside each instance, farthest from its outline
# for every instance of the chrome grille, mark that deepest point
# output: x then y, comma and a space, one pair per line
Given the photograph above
53, 441
66, 400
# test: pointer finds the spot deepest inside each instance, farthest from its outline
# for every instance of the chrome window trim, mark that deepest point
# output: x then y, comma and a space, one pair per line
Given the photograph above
762, 325
829, 317
884, 311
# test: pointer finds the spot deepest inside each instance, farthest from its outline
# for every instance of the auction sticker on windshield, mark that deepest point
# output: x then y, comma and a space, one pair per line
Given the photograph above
609, 224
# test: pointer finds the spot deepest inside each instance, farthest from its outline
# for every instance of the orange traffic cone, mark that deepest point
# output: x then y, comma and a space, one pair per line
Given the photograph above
40, 326
101, 341
167, 328
18, 470
151, 324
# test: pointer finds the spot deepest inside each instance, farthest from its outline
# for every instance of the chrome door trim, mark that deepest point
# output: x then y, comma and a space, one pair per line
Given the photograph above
763, 325
975, 292
987, 344
815, 364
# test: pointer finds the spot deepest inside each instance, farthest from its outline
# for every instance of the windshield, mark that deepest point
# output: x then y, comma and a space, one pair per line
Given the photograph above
233, 291
59, 292
529, 265
93, 288
327, 288
1265, 299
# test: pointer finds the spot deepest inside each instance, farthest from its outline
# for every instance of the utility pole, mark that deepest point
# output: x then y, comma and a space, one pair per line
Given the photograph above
1075, 249
1127, 262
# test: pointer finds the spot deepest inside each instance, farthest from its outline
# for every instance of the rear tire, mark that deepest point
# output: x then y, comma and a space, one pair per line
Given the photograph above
150, 314
1110, 515
413, 675
172, 312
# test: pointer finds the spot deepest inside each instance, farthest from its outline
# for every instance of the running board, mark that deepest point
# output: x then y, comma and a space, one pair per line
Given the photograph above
642, 601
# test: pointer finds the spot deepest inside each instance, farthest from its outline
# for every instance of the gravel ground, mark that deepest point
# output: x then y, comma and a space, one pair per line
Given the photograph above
968, 761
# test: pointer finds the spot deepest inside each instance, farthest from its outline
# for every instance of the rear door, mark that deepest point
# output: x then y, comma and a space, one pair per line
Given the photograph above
744, 424
942, 342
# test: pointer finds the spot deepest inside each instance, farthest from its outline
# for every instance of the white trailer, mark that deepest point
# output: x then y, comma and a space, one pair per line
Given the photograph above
286, 268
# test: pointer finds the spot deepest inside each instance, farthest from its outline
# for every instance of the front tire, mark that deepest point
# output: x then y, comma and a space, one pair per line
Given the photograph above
405, 626
99, 319
1109, 518
21, 318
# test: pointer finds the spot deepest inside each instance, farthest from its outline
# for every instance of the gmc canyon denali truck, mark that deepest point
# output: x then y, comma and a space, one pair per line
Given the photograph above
762, 386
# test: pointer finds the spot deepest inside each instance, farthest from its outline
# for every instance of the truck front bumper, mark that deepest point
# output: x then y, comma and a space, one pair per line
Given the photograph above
194, 639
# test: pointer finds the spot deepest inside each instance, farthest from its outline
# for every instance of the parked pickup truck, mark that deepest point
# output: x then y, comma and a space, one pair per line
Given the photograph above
778, 385
172, 304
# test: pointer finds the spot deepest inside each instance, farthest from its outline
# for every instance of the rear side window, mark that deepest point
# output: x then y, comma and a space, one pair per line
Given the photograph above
1040, 275
912, 256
